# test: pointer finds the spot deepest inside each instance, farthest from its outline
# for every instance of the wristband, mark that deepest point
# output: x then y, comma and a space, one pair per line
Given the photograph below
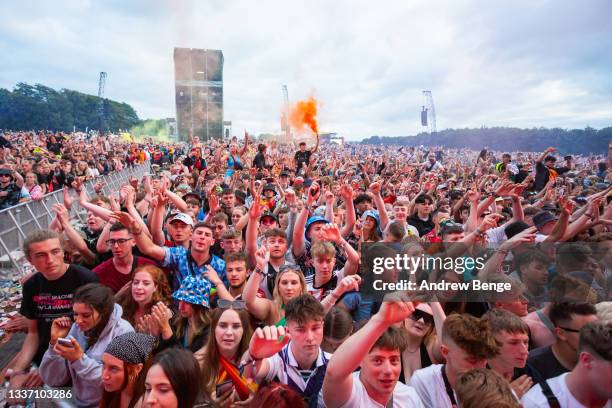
479, 233
260, 271
137, 232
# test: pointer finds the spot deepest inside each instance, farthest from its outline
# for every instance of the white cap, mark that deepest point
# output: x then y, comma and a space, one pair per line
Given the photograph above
186, 218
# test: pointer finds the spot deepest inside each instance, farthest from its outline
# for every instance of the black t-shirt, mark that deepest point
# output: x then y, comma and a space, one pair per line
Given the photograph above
45, 300
424, 227
543, 365
259, 161
302, 157
13, 196
541, 177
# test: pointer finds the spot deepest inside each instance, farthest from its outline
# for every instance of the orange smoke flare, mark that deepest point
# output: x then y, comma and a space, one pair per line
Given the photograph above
304, 115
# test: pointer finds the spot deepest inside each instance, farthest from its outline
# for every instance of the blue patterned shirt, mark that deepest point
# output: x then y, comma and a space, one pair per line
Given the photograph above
177, 259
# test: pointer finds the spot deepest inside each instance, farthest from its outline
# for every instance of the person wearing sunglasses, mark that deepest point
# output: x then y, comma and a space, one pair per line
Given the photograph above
10, 191
119, 270
422, 339
230, 333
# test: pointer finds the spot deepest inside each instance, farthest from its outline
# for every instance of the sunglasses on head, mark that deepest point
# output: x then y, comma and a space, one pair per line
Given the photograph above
231, 304
419, 314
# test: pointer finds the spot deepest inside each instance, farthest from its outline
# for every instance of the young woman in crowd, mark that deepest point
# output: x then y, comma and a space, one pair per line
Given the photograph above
122, 364
149, 286
189, 329
75, 350
422, 339
172, 380
289, 283
338, 327
228, 339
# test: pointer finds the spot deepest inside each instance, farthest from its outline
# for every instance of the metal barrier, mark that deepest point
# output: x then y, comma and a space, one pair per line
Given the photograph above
20, 220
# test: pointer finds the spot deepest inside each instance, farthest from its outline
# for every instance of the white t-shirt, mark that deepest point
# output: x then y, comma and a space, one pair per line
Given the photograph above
403, 396
535, 397
281, 368
429, 385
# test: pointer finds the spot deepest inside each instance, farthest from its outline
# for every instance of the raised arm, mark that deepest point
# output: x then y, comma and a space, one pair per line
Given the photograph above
75, 238
95, 209
380, 205
252, 229
545, 153
346, 191
298, 246
260, 308
316, 147
246, 144
338, 382
143, 242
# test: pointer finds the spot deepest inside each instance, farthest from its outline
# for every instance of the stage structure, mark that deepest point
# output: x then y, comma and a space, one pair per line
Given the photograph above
198, 79
428, 113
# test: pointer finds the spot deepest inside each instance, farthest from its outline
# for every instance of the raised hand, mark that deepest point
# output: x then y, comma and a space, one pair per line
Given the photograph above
268, 341
256, 208
347, 284
330, 232
346, 192
394, 309
67, 199
213, 203
62, 213
375, 188
125, 219
212, 275
524, 237
313, 193
490, 221
262, 257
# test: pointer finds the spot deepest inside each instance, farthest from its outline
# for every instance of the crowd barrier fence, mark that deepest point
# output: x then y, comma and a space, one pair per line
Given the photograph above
20, 220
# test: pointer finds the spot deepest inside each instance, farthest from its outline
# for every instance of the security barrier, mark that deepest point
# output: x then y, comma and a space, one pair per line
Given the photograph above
20, 220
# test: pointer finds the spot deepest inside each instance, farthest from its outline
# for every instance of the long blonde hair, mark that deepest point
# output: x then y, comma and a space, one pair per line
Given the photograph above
276, 296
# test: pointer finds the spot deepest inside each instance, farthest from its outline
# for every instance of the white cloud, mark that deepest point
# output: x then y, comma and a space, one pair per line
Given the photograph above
542, 63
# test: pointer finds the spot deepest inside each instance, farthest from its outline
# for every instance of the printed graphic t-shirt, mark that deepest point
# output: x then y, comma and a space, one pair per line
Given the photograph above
45, 300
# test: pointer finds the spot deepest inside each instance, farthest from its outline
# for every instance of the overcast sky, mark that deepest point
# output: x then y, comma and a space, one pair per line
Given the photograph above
518, 63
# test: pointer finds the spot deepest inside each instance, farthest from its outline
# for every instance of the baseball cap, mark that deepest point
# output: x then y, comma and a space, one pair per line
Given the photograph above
183, 218
542, 218
270, 215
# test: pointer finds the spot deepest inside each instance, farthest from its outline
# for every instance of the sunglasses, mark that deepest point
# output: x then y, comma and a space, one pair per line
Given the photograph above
231, 304
419, 314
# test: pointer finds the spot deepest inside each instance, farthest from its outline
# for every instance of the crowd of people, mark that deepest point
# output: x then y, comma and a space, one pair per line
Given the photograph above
233, 276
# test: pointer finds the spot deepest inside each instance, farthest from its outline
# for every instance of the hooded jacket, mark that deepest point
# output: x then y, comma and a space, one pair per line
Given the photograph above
86, 372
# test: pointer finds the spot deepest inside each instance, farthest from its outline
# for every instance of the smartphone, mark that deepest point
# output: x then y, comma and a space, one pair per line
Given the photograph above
224, 387
65, 342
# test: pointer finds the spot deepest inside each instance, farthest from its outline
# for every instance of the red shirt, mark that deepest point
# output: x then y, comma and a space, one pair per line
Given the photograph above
111, 277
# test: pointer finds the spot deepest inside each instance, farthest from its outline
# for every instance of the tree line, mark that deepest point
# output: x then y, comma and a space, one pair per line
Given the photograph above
37, 106
567, 141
